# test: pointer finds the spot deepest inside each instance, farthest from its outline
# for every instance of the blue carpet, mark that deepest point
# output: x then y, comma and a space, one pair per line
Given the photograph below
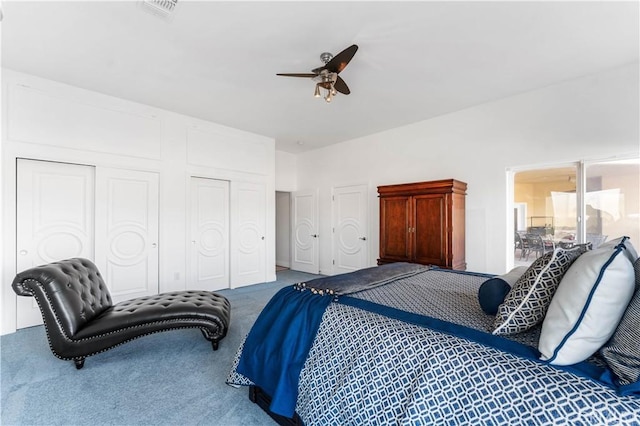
170, 378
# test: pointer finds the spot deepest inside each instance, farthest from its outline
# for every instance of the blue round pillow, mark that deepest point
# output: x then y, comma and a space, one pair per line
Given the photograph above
492, 293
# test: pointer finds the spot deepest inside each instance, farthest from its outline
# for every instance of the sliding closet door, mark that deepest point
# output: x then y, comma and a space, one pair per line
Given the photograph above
209, 247
109, 216
127, 231
55, 220
248, 243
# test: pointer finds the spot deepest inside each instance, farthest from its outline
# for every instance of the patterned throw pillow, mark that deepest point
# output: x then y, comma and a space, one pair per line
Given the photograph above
529, 298
622, 352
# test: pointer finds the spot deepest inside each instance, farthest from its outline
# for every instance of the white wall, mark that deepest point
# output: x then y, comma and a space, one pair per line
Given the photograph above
46, 120
588, 118
286, 170
2, 233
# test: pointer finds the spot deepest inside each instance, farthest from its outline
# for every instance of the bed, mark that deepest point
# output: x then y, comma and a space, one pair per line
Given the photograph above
405, 344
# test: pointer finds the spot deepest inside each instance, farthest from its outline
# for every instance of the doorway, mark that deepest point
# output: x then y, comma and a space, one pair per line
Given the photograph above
283, 231
297, 224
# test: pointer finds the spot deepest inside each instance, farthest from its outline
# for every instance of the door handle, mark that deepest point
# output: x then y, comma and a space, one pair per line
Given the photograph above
363, 238
314, 235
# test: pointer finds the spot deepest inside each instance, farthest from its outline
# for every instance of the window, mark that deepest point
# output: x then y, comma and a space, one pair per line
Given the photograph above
576, 203
612, 201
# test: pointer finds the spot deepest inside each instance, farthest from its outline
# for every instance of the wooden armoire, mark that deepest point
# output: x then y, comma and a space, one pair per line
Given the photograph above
423, 223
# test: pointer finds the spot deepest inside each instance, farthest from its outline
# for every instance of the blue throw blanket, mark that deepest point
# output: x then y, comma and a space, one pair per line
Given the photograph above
278, 344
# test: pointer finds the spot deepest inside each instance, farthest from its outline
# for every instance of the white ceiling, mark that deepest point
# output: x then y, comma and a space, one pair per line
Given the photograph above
217, 60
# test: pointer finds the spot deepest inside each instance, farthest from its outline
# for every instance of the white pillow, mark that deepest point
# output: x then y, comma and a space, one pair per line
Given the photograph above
587, 306
629, 251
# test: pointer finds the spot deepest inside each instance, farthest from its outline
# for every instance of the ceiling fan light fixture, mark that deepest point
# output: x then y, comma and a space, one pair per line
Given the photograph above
326, 77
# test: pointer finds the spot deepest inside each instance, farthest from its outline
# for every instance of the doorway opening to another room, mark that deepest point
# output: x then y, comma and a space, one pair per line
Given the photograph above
345, 237
283, 231
545, 211
297, 231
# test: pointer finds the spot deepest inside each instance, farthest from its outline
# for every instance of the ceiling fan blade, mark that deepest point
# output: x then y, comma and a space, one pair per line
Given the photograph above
341, 60
341, 86
307, 75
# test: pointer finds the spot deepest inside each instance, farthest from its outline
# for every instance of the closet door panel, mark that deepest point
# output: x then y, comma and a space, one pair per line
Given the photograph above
127, 231
209, 254
55, 220
248, 241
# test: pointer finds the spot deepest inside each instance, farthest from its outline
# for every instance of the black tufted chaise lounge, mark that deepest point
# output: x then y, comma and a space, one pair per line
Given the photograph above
81, 320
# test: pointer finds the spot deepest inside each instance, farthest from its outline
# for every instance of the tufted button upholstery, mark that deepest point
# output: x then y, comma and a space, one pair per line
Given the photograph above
81, 320
74, 288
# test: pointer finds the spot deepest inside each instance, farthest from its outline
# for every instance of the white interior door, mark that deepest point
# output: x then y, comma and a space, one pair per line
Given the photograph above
350, 225
127, 231
55, 220
248, 243
209, 252
304, 235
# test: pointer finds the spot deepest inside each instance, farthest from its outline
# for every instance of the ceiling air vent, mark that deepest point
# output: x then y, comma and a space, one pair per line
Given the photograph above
162, 8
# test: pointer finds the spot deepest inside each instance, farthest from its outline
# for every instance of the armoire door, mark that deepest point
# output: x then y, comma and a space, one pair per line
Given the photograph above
350, 229
396, 228
127, 220
209, 244
248, 247
430, 234
304, 232
55, 220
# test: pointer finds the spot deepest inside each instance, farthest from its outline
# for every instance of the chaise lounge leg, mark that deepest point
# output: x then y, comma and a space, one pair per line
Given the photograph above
79, 363
214, 344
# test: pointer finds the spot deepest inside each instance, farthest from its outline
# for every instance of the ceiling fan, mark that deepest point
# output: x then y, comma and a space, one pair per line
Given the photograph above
326, 76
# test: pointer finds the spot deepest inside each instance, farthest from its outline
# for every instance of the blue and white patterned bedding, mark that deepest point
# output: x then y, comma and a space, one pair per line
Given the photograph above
365, 367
